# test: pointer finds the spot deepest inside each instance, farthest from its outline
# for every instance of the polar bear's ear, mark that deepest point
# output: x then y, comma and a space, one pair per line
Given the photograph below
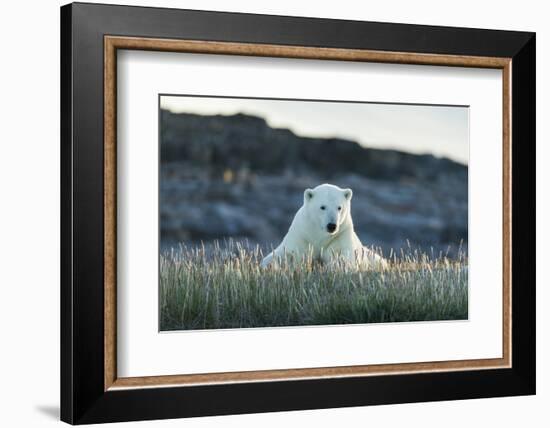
308, 195
348, 193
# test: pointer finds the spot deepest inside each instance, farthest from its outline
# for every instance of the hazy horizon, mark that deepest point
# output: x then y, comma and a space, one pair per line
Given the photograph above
442, 131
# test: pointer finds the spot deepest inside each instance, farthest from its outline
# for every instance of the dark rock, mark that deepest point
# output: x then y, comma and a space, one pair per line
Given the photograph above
235, 177
242, 141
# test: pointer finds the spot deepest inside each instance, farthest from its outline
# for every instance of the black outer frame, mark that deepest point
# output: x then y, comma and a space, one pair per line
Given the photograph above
83, 399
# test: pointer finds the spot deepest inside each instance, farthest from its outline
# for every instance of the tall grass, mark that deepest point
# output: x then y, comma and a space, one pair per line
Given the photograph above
227, 288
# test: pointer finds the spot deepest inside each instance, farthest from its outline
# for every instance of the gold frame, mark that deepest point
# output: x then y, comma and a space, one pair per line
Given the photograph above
113, 43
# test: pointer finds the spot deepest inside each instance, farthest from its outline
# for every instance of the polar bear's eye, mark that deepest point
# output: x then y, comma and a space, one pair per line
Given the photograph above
323, 207
340, 208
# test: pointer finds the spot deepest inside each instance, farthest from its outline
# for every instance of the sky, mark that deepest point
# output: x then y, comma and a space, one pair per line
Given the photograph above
442, 131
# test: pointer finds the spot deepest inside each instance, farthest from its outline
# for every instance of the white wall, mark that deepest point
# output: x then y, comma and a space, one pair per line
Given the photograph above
29, 231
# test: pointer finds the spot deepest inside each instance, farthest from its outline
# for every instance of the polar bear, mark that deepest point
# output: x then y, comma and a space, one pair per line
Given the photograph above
323, 230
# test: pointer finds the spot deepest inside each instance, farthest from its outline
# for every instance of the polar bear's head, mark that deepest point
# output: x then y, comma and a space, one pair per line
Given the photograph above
328, 207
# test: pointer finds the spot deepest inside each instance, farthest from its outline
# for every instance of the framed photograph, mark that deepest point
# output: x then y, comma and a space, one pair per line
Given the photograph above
266, 213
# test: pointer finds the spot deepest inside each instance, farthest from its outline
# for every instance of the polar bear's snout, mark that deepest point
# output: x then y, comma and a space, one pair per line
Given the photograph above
329, 217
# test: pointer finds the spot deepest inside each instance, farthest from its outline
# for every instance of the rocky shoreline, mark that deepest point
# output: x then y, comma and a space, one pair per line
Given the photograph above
235, 177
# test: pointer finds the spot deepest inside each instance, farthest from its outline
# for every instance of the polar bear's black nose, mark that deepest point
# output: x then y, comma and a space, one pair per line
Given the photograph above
331, 227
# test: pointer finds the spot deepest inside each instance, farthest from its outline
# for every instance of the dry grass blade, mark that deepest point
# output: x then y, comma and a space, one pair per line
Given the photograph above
226, 288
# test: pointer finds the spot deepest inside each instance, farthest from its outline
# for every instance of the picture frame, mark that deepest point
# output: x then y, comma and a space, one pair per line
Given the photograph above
91, 36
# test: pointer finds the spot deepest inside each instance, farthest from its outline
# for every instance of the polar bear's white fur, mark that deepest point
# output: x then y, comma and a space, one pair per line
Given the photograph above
322, 229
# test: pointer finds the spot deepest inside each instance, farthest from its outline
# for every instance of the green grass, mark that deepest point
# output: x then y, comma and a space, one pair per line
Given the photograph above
228, 289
